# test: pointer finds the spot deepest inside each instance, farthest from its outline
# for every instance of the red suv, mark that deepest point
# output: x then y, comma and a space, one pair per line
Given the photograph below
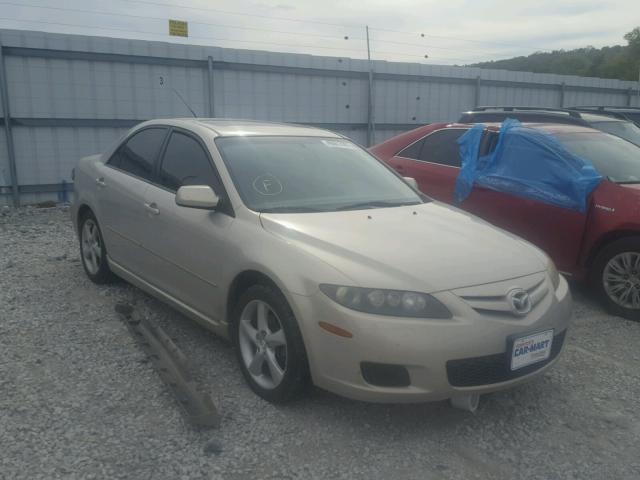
601, 245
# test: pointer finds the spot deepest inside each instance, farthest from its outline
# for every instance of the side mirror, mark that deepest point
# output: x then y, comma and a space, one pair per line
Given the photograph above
197, 196
411, 182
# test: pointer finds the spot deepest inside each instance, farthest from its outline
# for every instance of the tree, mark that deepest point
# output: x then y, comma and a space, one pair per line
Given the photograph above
621, 62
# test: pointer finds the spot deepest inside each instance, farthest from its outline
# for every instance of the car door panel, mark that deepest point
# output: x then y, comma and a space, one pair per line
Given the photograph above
556, 230
122, 207
191, 275
121, 184
438, 181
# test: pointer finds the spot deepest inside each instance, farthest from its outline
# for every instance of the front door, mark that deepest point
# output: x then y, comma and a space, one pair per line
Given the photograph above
190, 245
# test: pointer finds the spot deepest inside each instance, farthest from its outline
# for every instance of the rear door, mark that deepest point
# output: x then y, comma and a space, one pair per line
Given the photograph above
189, 245
556, 230
121, 186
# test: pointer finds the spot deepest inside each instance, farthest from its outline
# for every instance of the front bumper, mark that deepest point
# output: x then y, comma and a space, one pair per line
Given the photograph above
435, 353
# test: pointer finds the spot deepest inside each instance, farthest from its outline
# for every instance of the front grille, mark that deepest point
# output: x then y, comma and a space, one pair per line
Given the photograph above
498, 304
472, 372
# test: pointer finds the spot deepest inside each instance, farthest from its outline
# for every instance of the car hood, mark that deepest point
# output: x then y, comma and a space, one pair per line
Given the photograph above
430, 247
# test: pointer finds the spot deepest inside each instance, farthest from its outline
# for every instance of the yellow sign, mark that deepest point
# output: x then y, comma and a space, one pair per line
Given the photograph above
178, 28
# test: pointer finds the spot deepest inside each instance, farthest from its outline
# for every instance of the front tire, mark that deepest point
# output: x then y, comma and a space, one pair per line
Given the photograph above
616, 276
269, 346
93, 251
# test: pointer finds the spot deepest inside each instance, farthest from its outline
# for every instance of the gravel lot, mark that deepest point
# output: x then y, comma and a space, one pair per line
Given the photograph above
78, 399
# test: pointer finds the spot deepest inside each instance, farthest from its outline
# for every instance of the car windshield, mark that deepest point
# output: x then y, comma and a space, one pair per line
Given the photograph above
627, 130
613, 157
310, 174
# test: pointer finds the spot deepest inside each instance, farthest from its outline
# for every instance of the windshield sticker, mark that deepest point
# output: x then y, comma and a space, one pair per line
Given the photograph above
339, 143
267, 184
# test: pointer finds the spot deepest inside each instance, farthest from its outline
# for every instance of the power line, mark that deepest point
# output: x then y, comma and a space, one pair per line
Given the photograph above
461, 39
163, 19
289, 19
164, 36
426, 45
224, 39
238, 27
244, 14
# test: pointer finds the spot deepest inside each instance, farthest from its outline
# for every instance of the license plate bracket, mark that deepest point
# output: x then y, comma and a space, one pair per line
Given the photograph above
529, 349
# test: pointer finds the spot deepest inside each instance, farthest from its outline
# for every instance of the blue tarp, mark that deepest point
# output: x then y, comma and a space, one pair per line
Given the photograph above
528, 163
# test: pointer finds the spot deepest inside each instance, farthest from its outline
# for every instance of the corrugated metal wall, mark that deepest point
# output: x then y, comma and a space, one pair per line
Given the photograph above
71, 96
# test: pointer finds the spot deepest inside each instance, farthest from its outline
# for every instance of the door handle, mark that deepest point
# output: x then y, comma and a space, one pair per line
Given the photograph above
152, 208
100, 182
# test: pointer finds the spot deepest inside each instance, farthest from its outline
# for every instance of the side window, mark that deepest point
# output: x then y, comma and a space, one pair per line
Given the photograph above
138, 154
441, 147
412, 151
186, 163
489, 142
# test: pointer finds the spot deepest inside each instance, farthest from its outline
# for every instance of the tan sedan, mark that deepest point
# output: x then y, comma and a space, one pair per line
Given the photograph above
318, 262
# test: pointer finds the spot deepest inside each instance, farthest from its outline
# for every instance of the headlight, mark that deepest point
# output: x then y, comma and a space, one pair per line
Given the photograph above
396, 303
553, 274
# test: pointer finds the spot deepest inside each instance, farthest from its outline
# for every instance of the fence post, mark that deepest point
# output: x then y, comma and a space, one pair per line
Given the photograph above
4, 101
210, 84
562, 89
476, 100
370, 124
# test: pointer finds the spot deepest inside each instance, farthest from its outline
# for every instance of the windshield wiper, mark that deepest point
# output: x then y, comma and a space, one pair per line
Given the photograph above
375, 204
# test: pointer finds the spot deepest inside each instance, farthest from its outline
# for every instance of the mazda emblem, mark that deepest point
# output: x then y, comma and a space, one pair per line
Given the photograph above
519, 301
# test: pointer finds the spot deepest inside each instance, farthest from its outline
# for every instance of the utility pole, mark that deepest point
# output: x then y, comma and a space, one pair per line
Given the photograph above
370, 124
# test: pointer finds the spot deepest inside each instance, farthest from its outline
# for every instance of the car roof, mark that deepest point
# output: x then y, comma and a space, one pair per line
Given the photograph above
237, 127
607, 108
546, 126
594, 117
588, 117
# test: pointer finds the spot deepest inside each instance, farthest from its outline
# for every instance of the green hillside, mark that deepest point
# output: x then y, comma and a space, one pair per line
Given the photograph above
621, 62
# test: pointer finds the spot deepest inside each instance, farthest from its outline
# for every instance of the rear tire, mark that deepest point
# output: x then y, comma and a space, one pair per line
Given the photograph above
615, 274
269, 345
93, 251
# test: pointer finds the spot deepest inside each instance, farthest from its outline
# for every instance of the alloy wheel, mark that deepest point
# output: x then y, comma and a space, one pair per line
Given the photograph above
91, 246
621, 279
263, 344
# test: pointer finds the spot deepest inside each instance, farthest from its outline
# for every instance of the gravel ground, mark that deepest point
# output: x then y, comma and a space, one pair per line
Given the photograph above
78, 399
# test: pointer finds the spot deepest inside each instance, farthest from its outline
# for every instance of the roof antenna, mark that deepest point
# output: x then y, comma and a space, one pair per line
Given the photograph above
185, 103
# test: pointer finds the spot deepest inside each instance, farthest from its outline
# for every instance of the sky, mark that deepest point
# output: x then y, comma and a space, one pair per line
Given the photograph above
447, 32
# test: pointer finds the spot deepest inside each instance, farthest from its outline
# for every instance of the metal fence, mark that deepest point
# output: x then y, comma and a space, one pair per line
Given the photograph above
66, 96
